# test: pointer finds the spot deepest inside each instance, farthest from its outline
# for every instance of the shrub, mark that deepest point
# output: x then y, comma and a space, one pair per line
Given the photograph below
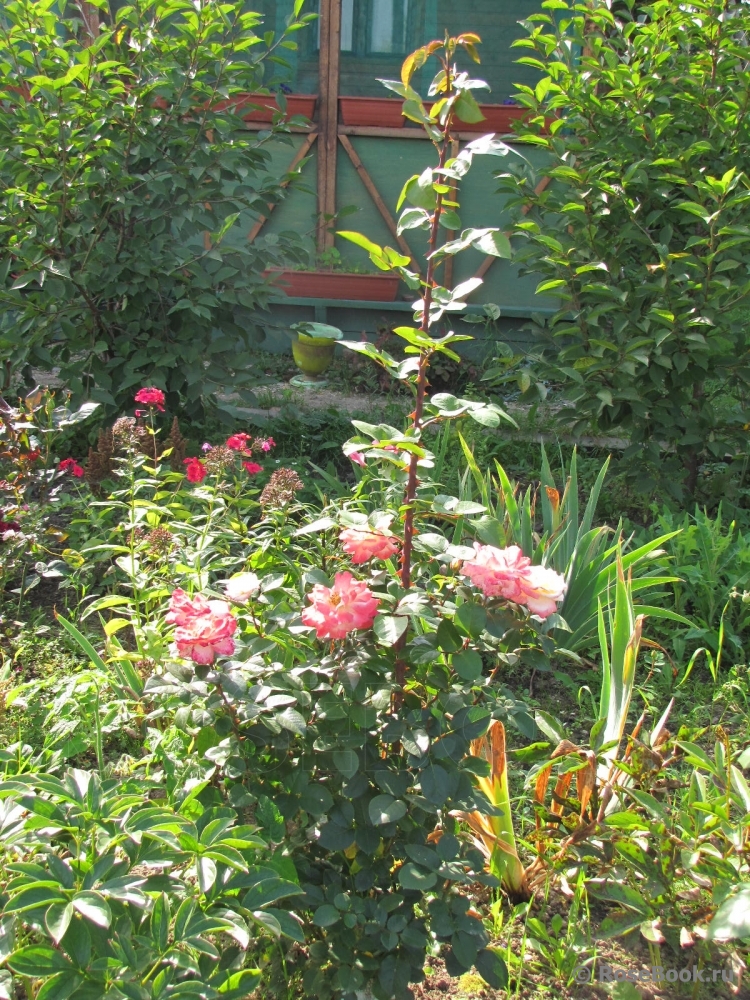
642, 233
125, 164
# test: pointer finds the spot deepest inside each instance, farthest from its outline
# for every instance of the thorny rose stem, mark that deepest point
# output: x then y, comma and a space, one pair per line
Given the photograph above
424, 364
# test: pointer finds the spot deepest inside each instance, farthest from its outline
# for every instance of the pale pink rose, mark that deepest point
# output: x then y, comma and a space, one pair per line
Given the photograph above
365, 545
182, 609
497, 572
205, 637
343, 608
542, 589
241, 588
508, 573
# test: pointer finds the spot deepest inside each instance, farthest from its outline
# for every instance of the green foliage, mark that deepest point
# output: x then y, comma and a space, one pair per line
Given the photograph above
125, 165
307, 689
565, 539
642, 234
117, 892
562, 944
33, 545
692, 836
711, 562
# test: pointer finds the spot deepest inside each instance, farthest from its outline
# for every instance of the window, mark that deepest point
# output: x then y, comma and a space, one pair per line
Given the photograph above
388, 26
377, 27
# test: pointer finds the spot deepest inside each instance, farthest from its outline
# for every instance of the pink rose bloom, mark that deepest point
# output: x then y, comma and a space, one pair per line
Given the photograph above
497, 572
346, 606
204, 638
358, 457
204, 628
182, 609
542, 589
151, 397
508, 573
365, 545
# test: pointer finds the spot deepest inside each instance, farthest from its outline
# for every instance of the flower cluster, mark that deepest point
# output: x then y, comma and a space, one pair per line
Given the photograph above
345, 607
204, 628
219, 459
195, 470
508, 573
280, 488
159, 542
223, 456
151, 397
247, 444
124, 433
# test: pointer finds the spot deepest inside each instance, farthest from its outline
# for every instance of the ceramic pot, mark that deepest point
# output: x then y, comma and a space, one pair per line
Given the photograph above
312, 355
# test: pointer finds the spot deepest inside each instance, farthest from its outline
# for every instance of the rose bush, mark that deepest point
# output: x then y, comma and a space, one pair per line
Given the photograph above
280, 653
338, 695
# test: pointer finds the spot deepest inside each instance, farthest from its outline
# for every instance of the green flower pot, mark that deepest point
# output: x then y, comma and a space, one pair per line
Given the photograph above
313, 345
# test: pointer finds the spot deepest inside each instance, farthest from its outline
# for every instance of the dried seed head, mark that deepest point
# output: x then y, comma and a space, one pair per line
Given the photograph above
159, 542
178, 444
96, 468
280, 488
219, 459
105, 444
123, 433
146, 442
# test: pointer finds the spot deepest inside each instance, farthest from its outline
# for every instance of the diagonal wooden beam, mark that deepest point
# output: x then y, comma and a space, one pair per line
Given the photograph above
298, 157
375, 195
489, 261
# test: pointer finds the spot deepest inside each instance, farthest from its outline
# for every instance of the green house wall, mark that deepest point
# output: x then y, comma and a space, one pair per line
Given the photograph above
391, 161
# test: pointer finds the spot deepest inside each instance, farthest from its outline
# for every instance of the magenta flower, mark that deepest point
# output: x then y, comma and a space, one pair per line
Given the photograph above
497, 571
195, 470
151, 396
252, 468
242, 587
183, 608
70, 465
238, 442
542, 588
